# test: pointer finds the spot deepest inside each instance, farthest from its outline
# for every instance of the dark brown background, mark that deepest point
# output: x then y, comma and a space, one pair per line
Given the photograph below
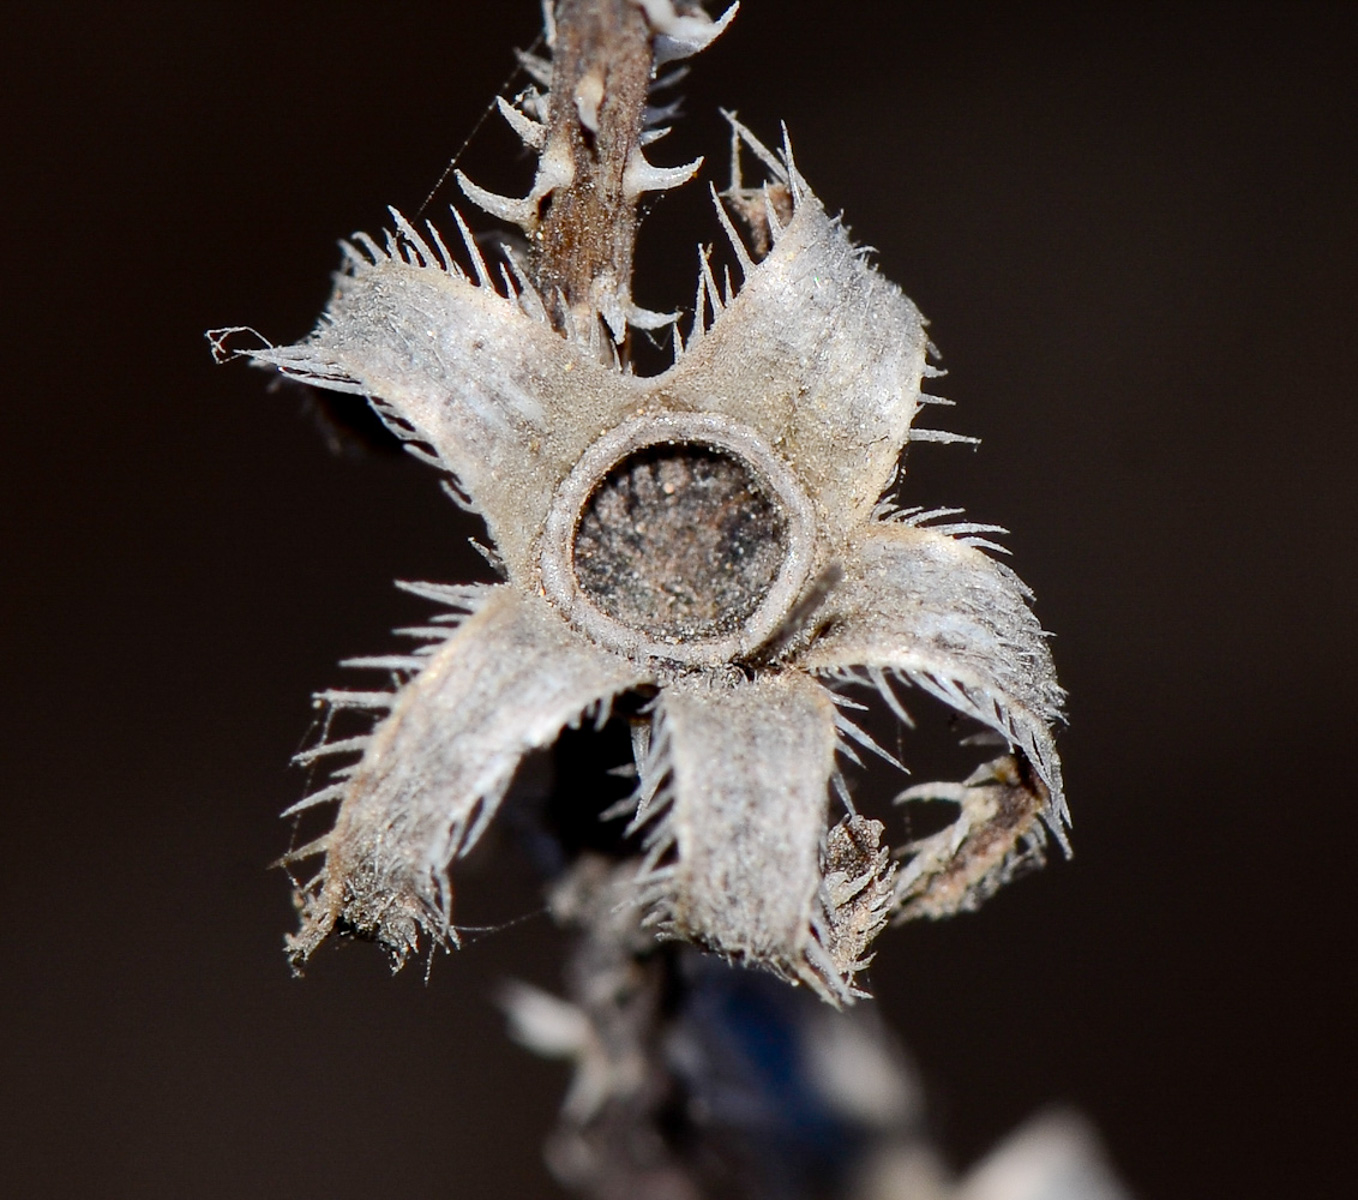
1135, 234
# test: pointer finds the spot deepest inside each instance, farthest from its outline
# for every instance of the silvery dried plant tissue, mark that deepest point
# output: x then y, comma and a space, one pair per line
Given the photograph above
720, 545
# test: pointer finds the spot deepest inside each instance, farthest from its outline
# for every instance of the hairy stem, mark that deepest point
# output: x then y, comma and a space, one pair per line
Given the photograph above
601, 69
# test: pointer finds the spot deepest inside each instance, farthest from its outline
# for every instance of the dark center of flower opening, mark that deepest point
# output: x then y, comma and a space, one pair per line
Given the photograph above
680, 542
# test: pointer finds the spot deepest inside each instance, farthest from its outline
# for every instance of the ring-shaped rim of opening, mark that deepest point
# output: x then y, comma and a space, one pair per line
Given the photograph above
715, 432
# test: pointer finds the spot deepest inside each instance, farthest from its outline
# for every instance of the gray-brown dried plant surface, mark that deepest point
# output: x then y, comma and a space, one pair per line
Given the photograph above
718, 539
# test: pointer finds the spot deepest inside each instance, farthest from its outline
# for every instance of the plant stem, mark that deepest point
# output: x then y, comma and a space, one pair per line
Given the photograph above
601, 69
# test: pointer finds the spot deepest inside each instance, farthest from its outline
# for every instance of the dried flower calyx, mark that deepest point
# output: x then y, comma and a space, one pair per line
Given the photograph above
714, 533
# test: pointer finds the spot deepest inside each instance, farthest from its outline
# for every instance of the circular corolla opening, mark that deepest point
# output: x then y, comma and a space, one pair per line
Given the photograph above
680, 541
680, 536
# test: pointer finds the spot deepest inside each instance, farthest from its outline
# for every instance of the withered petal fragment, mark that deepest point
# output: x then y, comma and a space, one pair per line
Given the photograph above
955, 623
506, 403
822, 355
856, 895
507, 682
749, 765
997, 836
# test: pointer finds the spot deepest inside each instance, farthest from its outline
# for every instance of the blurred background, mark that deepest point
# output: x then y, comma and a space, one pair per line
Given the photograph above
1135, 231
